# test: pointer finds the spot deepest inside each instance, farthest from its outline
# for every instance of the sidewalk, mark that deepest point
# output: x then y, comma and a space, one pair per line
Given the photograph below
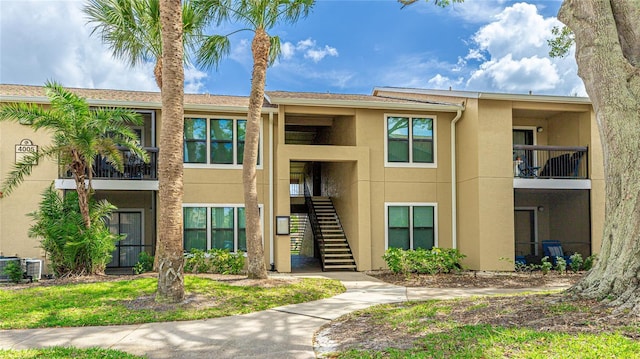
282, 332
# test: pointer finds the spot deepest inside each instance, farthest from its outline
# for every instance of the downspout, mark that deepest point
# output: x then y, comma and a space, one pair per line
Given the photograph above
454, 197
271, 217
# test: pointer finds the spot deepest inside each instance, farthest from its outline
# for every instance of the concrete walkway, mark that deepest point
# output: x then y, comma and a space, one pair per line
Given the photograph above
282, 332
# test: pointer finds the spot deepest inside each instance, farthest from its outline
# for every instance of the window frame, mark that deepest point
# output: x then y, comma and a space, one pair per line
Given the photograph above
236, 221
235, 164
410, 162
411, 205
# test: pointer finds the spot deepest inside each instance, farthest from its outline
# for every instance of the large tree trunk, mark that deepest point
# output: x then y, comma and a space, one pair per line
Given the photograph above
170, 257
607, 53
255, 251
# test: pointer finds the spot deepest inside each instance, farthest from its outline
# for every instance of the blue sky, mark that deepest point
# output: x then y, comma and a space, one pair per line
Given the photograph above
345, 46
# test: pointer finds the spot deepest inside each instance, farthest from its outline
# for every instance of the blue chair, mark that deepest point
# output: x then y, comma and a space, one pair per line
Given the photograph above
553, 249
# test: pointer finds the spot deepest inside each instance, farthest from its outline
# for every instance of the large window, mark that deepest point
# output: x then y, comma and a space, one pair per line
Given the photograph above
214, 141
411, 226
218, 227
410, 141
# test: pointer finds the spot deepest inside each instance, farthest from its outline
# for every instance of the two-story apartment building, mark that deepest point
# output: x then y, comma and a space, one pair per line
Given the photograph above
493, 175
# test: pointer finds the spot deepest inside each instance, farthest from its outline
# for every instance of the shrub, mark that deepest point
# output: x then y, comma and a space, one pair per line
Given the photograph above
72, 248
144, 264
589, 262
225, 262
423, 261
197, 262
14, 271
396, 260
576, 262
545, 265
561, 265
214, 261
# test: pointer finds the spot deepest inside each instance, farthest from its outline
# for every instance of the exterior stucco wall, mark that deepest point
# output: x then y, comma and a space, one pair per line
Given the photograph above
14, 222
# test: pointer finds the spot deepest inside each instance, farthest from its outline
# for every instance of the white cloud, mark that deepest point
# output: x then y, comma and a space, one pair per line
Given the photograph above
309, 50
317, 55
443, 82
477, 11
49, 40
508, 75
513, 55
193, 79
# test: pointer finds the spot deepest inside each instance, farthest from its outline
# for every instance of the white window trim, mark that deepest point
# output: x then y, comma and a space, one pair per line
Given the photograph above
235, 206
235, 119
533, 129
410, 205
410, 164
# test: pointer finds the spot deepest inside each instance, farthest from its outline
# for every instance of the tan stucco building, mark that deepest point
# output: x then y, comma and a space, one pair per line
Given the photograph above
493, 175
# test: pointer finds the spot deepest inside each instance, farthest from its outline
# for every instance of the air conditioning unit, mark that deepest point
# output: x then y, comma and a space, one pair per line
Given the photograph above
33, 268
4, 262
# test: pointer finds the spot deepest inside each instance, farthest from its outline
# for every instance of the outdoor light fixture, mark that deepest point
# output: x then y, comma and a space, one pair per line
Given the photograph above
539, 129
540, 209
282, 225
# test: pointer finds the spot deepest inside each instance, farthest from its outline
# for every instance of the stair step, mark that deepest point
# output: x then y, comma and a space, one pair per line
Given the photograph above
338, 260
340, 266
336, 255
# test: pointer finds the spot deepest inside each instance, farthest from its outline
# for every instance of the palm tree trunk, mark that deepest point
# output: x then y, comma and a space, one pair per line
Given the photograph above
170, 257
255, 251
79, 170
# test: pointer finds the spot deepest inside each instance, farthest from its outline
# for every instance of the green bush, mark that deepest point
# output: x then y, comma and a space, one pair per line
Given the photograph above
225, 262
396, 260
561, 265
14, 271
576, 262
589, 262
144, 264
72, 248
423, 261
545, 265
197, 262
214, 261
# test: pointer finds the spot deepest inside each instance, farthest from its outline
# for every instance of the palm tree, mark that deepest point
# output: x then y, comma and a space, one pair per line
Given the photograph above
170, 248
131, 28
80, 134
259, 16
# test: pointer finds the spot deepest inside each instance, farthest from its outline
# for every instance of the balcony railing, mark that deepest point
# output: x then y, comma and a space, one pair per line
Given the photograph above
550, 162
134, 167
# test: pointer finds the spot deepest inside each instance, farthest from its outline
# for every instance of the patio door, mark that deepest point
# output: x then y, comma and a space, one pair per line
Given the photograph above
526, 231
128, 223
525, 136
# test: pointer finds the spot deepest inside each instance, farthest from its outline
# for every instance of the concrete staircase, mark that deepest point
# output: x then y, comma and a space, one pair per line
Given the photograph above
297, 228
335, 252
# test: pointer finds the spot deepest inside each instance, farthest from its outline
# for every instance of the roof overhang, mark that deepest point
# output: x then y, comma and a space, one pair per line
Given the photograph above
382, 105
488, 95
138, 104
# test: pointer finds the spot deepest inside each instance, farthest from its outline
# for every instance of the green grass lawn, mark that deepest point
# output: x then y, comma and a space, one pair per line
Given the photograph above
432, 330
64, 353
131, 302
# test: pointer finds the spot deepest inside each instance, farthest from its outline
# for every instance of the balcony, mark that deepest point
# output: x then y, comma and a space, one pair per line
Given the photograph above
134, 167
549, 162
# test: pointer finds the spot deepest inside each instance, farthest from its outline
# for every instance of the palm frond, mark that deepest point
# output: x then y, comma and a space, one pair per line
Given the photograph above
20, 169
274, 49
213, 49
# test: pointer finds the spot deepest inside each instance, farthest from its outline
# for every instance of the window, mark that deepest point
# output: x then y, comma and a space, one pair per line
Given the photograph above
217, 227
411, 226
214, 141
409, 140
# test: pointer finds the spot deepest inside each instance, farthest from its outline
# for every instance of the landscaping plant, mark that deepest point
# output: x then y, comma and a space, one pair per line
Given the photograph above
423, 261
576, 262
561, 265
545, 265
14, 271
144, 264
72, 248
